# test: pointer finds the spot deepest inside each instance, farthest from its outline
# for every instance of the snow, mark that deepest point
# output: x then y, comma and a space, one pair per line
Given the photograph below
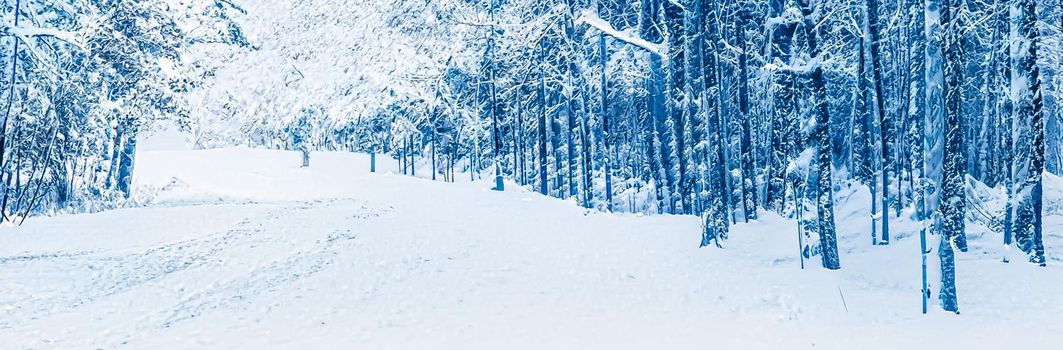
241, 248
803, 163
165, 137
591, 18
26, 32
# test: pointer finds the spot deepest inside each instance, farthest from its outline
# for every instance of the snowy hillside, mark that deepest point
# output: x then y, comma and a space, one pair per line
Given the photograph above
240, 248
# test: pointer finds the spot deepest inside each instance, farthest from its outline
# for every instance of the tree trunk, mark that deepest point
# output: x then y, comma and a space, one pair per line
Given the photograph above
824, 188
885, 123
1029, 105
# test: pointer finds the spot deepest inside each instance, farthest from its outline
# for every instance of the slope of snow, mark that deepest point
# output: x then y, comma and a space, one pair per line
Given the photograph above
240, 248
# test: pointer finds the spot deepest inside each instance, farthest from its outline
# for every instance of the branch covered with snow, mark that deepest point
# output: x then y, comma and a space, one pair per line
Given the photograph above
590, 18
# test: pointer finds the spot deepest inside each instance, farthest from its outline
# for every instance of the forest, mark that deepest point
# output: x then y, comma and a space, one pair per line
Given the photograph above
721, 109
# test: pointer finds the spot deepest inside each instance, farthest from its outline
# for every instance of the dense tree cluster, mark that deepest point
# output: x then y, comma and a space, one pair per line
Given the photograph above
81, 81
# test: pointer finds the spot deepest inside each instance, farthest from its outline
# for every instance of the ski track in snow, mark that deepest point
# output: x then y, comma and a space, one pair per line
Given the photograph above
237, 248
113, 273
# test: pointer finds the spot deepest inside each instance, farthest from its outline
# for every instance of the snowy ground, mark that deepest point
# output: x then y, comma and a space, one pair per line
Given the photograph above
240, 248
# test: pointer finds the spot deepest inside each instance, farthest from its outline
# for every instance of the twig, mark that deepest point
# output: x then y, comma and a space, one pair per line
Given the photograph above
843, 299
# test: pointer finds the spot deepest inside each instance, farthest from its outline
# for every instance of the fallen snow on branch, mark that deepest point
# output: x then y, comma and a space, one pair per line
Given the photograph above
25, 33
592, 19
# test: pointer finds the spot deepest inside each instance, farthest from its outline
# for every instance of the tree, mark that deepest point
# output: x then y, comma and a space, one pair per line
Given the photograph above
952, 208
1030, 150
782, 29
715, 174
884, 122
821, 139
749, 200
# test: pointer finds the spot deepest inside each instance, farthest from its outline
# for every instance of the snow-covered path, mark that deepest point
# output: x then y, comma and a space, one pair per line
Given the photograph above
239, 248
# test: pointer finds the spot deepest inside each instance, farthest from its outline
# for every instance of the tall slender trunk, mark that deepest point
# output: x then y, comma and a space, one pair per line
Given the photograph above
116, 146
885, 123
499, 186
607, 166
649, 29
781, 36
824, 188
864, 144
432, 140
128, 157
953, 204
7, 113
544, 180
1029, 108
748, 180
715, 216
